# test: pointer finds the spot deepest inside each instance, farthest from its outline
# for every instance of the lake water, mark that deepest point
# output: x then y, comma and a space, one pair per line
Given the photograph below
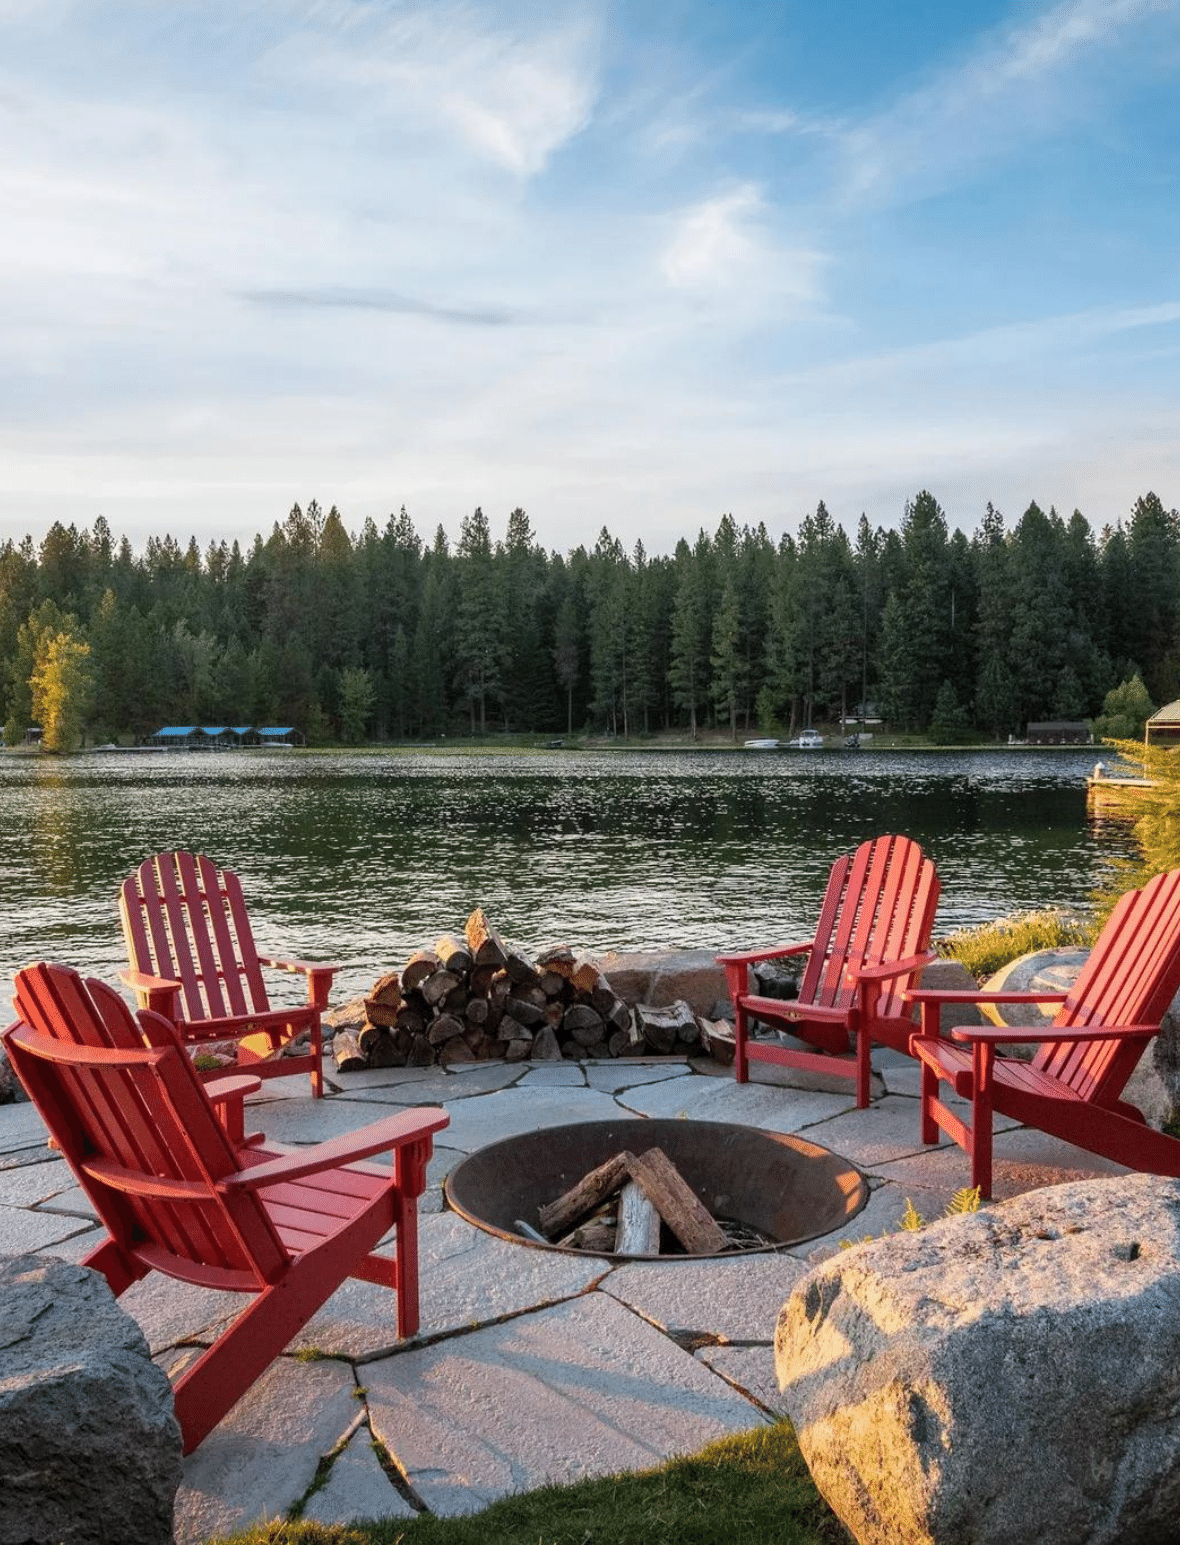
361, 859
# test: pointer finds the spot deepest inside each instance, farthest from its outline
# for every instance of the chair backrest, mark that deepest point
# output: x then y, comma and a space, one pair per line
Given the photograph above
122, 1099
1130, 978
186, 919
879, 907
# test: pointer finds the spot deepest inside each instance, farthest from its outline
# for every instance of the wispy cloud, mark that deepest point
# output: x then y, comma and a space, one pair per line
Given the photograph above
514, 98
1014, 86
343, 299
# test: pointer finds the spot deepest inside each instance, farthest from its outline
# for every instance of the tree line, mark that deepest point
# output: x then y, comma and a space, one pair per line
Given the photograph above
382, 635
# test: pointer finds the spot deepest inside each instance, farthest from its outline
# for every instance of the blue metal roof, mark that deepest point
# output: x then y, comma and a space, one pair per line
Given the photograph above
178, 729
271, 730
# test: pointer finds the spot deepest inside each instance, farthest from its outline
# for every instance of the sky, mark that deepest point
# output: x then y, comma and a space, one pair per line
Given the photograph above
624, 263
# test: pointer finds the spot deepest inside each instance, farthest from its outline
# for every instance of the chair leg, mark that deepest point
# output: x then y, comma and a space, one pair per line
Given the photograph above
929, 1095
981, 1147
741, 1063
864, 1069
317, 1051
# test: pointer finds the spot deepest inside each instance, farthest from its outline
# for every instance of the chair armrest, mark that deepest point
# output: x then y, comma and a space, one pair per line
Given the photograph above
892, 968
235, 1086
1022, 1034
752, 957
394, 1132
160, 991
319, 977
969, 995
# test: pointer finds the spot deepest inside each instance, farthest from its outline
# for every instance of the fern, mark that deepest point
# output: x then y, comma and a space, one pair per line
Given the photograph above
911, 1218
966, 1200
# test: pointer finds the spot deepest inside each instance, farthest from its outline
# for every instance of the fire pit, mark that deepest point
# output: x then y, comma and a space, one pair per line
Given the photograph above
782, 1187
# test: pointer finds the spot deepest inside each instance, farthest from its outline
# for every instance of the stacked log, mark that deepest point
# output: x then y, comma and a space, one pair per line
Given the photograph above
476, 997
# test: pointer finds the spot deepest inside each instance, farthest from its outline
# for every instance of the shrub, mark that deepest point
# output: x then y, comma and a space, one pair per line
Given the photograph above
985, 949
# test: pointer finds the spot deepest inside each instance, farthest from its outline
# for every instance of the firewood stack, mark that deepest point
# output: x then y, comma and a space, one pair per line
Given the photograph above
477, 998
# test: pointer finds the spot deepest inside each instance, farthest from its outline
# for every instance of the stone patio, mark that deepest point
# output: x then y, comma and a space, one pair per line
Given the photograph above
531, 1365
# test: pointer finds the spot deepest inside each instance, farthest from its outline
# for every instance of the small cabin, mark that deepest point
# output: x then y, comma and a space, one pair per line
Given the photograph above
1163, 728
1059, 732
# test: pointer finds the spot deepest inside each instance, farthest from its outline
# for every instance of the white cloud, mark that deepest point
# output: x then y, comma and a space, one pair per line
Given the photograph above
721, 248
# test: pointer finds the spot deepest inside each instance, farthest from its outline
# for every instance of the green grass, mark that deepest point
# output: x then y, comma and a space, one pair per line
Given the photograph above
753, 1488
985, 949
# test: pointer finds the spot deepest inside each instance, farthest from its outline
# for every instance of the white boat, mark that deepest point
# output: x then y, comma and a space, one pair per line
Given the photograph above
761, 745
810, 740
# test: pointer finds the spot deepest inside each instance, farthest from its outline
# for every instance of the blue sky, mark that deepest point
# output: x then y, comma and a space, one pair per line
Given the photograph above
632, 265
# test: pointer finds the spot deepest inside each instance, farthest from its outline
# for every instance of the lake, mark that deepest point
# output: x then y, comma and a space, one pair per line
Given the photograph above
362, 858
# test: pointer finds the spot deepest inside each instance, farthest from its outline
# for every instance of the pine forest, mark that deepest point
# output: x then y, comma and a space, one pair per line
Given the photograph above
382, 635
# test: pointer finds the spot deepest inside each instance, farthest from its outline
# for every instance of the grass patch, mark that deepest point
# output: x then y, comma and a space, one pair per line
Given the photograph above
753, 1487
985, 949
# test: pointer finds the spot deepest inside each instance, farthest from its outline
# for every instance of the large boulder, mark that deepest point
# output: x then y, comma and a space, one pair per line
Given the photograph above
90, 1450
999, 1377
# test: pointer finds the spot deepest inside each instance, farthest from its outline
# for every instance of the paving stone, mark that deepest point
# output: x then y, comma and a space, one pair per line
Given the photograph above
779, 1076
475, 1123
169, 1311
887, 1205
20, 1127
738, 1297
23, 1231
297, 1086
72, 1203
468, 1277
630, 1073
76, 1247
889, 1129
357, 1489
749, 1369
585, 1388
554, 1075
262, 1457
376, 1078
1024, 1159
28, 1184
753, 1105
304, 1121
464, 1081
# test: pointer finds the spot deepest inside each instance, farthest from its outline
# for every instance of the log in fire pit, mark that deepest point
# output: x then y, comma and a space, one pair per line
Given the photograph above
765, 1190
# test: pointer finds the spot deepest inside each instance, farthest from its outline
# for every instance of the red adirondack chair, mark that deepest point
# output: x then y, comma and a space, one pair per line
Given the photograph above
870, 944
124, 1104
1072, 1087
194, 961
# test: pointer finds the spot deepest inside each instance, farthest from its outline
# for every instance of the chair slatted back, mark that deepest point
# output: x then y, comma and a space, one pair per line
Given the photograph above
186, 919
879, 906
130, 1115
1130, 978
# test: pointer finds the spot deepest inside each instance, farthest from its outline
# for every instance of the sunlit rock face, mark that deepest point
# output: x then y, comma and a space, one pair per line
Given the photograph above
1005, 1376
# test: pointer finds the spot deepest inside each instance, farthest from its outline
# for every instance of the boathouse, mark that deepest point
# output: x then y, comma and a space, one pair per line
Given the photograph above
1163, 728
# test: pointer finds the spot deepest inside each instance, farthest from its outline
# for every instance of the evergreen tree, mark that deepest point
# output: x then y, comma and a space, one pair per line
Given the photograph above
357, 698
688, 663
478, 641
61, 686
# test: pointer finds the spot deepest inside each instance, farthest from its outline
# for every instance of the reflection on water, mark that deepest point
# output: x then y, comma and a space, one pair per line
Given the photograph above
361, 859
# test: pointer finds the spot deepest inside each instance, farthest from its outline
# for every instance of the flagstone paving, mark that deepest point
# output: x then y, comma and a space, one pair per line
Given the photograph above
531, 1365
